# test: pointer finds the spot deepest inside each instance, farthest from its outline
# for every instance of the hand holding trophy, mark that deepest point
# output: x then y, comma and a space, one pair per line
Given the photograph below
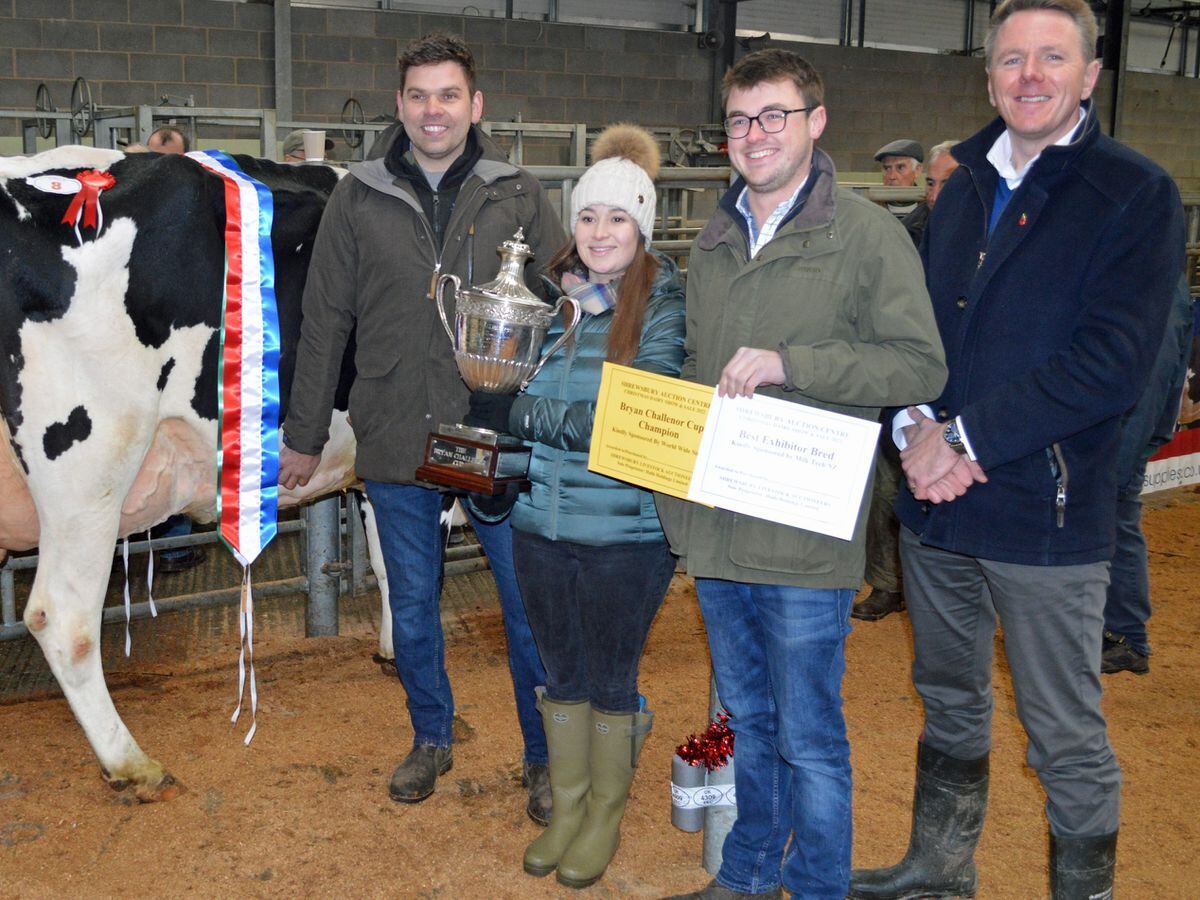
497, 337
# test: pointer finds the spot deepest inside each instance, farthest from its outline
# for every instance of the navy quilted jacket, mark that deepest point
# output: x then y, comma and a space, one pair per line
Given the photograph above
1050, 324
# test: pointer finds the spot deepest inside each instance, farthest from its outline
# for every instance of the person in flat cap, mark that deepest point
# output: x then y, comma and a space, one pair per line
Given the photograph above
901, 164
293, 146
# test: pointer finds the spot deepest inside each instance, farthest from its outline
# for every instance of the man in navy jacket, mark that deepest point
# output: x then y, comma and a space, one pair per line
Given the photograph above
1051, 257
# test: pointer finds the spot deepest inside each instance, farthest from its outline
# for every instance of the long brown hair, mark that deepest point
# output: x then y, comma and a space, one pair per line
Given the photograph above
633, 293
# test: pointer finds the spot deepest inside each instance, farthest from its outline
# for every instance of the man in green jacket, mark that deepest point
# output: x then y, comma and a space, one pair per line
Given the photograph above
440, 200
805, 292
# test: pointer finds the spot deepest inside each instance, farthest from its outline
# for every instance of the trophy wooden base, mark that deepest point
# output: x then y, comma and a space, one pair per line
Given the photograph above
475, 460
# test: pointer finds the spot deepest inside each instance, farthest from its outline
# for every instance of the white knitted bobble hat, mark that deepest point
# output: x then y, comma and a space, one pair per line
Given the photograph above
625, 164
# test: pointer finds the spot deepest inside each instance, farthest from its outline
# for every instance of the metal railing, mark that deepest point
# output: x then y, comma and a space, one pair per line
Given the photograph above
335, 565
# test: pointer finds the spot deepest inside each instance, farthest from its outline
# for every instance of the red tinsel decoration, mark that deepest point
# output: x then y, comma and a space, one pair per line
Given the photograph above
713, 748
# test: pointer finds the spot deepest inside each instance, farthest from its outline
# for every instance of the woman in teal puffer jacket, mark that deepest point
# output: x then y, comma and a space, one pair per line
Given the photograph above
590, 555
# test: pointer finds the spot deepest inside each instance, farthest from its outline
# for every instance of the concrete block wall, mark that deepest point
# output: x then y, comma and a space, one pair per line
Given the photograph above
222, 53
542, 72
135, 51
1162, 120
874, 97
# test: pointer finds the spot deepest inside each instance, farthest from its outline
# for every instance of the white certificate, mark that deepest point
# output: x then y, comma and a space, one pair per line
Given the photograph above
785, 462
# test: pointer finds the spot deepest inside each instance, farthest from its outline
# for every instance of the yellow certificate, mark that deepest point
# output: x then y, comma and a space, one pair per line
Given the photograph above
647, 428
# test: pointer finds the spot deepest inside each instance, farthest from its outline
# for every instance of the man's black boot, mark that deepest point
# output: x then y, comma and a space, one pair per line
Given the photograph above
877, 605
1117, 655
949, 804
1082, 868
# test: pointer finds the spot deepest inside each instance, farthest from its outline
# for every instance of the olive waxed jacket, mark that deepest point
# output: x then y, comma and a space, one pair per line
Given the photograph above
372, 267
840, 292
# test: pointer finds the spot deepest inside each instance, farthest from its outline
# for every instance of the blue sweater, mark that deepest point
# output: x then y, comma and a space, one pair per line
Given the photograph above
1051, 323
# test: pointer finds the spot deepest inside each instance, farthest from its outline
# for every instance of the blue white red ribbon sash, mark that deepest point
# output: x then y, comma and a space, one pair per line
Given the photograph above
248, 393
249, 370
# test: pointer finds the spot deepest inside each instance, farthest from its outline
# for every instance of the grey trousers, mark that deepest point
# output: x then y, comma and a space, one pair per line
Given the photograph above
1053, 617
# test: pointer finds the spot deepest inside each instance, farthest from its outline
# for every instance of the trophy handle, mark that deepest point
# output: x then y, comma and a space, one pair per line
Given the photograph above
577, 314
441, 284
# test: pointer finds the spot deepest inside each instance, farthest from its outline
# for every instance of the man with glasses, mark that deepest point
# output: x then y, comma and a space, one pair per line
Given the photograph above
807, 293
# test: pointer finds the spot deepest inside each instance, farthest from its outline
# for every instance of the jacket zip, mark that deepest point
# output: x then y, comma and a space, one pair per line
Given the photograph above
440, 251
986, 239
1058, 468
562, 390
471, 254
983, 252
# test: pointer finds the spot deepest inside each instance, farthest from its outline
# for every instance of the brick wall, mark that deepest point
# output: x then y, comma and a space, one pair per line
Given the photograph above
1162, 120
221, 53
134, 51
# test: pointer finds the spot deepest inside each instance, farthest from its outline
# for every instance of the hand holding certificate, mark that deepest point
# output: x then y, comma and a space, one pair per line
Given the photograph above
759, 456
785, 462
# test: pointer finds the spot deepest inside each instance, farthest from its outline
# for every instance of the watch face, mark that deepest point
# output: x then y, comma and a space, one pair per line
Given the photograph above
953, 438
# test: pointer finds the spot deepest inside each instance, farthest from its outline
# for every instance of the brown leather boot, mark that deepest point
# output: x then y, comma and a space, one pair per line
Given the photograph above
415, 778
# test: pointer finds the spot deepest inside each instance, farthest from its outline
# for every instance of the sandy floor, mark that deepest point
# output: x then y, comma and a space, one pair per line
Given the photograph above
304, 810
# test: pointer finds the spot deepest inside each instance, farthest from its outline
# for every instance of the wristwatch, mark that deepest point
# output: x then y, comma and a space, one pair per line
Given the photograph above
953, 438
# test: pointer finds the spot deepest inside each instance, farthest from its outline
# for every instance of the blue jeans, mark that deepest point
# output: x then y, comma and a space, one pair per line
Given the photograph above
591, 609
411, 538
778, 653
1145, 428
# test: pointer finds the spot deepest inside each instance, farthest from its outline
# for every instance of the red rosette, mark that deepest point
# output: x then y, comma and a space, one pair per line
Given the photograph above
712, 748
86, 202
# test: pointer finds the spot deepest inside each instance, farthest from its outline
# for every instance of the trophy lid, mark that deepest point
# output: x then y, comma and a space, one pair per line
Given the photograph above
509, 284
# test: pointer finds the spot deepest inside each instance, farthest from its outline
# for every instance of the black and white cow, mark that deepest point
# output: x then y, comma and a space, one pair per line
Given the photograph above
108, 366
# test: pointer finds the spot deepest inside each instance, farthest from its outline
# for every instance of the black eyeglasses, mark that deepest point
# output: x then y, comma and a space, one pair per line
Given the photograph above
771, 121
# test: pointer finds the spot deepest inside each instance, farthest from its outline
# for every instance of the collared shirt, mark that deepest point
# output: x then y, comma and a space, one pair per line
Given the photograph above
1000, 155
759, 238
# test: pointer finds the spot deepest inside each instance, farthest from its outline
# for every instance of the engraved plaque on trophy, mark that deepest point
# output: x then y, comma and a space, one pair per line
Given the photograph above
497, 334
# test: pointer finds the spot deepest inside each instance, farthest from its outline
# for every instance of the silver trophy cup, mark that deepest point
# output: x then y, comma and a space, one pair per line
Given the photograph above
497, 334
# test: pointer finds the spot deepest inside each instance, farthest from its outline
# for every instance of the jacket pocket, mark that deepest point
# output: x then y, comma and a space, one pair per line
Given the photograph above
1058, 469
376, 363
769, 546
385, 335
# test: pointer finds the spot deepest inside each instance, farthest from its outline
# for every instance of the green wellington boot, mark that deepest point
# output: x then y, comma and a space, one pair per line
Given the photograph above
616, 744
568, 734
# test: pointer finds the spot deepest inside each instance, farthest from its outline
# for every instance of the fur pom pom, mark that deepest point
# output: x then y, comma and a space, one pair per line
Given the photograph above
626, 141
